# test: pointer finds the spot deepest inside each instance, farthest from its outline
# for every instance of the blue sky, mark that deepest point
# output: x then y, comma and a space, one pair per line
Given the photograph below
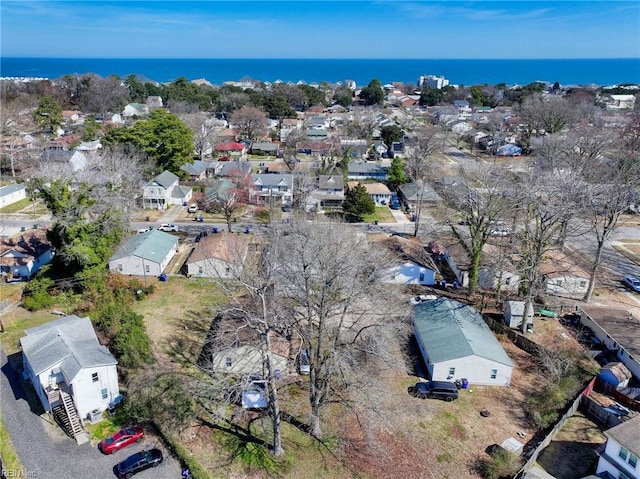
320, 29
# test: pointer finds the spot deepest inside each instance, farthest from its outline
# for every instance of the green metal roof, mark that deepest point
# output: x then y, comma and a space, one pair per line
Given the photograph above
450, 330
152, 245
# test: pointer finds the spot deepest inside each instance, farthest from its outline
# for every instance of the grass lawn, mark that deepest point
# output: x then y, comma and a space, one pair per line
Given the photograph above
25, 206
16, 321
11, 462
381, 215
8, 290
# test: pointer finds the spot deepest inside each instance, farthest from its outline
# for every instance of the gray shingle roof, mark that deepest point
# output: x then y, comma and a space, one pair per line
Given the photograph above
450, 330
153, 246
166, 179
70, 341
12, 188
627, 434
196, 168
272, 179
410, 192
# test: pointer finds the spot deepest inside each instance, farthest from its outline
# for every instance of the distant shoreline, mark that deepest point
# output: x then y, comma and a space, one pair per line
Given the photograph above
568, 72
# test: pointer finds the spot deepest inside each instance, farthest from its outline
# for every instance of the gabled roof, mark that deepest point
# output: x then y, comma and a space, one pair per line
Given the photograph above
230, 146
450, 330
152, 245
372, 188
626, 434
234, 168
197, 168
331, 182
164, 179
10, 189
410, 192
70, 341
272, 180
227, 247
22, 248
360, 167
180, 191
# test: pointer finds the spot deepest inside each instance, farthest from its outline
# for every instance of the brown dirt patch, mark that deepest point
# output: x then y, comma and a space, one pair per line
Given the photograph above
572, 452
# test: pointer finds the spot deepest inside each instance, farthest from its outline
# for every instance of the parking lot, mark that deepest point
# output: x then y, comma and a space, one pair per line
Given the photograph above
46, 452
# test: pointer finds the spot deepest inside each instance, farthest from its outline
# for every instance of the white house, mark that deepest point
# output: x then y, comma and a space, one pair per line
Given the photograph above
621, 102
413, 265
220, 255
409, 273
268, 188
379, 192
164, 190
23, 255
622, 450
135, 110
64, 359
244, 359
145, 254
619, 331
562, 277
10, 194
456, 343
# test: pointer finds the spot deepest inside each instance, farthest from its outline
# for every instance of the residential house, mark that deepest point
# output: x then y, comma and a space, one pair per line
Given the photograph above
562, 277
462, 106
23, 255
413, 265
133, 110
76, 159
164, 190
218, 190
12, 193
620, 102
498, 270
271, 189
197, 170
315, 148
379, 192
456, 343
233, 169
154, 102
410, 193
618, 330
266, 148
359, 170
232, 149
220, 255
145, 254
329, 195
233, 348
71, 372
619, 460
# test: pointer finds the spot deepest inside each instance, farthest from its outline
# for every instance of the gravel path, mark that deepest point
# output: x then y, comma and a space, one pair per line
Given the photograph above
46, 452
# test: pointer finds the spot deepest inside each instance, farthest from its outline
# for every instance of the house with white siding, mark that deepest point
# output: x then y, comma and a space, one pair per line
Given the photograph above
145, 254
220, 255
65, 355
618, 330
163, 191
562, 277
456, 343
271, 189
412, 265
379, 192
10, 194
22, 255
620, 458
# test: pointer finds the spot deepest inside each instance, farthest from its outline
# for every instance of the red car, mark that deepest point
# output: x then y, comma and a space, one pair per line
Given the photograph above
123, 438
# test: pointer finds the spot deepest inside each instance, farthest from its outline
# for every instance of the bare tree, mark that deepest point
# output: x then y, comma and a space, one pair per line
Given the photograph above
250, 122
481, 209
331, 278
540, 115
204, 132
418, 164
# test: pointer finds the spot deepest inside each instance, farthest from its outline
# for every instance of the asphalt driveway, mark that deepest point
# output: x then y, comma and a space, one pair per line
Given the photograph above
46, 452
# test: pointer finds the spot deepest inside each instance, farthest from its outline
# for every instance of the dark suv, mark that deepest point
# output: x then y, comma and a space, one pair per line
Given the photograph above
435, 390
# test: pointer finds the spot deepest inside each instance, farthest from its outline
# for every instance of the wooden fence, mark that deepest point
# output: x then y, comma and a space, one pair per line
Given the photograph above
545, 442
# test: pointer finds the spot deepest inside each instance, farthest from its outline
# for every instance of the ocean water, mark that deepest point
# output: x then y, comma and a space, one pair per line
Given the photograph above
217, 71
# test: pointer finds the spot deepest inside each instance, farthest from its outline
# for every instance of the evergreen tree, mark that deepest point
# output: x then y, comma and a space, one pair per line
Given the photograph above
48, 115
397, 175
357, 203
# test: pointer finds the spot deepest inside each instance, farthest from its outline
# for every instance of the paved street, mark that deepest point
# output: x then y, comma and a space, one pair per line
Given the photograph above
46, 452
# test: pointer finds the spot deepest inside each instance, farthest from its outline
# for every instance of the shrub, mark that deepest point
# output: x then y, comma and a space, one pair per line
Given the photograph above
263, 215
502, 463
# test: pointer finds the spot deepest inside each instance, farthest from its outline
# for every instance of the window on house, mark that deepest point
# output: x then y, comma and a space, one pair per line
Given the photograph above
507, 280
494, 373
200, 270
623, 476
452, 371
104, 393
583, 284
624, 453
229, 362
94, 377
146, 268
633, 460
421, 276
558, 282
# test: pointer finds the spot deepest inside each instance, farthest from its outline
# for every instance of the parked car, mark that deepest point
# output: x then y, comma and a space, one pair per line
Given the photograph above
121, 439
500, 231
435, 390
421, 298
192, 208
167, 227
632, 282
394, 204
139, 462
304, 365
144, 230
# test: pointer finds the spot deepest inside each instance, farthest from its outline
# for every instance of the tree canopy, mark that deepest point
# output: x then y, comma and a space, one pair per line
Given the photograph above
372, 94
357, 203
48, 115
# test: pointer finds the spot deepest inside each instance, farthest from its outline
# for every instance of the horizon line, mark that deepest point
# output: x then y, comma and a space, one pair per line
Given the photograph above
2, 57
